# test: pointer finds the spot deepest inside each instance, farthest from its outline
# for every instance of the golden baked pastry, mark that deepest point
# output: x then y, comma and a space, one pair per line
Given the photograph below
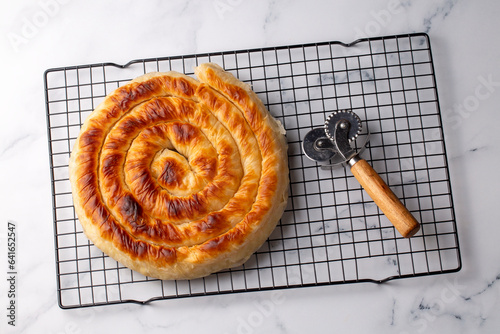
177, 178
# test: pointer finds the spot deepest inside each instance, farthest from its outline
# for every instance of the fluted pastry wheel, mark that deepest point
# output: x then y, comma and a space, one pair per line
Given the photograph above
177, 178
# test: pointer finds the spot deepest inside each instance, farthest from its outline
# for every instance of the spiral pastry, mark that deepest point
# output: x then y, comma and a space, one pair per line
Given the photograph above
177, 178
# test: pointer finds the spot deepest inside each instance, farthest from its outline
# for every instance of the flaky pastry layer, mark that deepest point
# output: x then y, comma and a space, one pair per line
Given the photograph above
178, 178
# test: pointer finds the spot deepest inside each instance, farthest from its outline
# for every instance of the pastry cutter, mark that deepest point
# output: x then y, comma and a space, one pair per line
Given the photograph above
340, 142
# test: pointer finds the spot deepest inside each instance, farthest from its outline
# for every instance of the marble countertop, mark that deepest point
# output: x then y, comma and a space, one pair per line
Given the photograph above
38, 35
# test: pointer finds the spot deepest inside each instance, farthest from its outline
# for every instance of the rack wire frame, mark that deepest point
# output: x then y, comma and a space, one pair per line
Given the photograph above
331, 231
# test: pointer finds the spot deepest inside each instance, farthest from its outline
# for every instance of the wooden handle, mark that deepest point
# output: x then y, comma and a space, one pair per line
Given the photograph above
383, 196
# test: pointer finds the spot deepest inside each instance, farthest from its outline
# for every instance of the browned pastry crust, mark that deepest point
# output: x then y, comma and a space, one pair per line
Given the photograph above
177, 178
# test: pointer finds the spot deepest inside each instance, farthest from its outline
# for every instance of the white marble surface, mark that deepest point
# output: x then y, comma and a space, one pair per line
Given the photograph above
37, 35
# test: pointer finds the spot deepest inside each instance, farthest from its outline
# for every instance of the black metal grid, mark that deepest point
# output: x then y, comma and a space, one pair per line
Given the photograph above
331, 231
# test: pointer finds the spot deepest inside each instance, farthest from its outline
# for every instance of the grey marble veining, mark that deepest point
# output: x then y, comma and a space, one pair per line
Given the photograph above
52, 33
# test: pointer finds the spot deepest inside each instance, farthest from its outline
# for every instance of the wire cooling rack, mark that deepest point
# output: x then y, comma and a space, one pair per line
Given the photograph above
331, 231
